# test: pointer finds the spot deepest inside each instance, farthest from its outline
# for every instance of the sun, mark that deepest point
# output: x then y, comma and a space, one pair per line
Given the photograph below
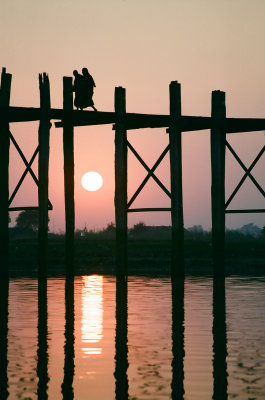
92, 181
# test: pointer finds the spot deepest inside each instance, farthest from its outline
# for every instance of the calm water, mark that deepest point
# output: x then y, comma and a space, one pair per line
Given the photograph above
133, 342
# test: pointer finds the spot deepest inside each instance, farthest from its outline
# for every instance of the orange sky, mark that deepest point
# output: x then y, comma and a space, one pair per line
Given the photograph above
142, 45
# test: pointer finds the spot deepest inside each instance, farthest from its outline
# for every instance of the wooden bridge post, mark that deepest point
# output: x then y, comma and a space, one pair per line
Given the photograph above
121, 181
44, 149
4, 169
68, 147
219, 339
218, 136
69, 343
177, 266
121, 339
4, 356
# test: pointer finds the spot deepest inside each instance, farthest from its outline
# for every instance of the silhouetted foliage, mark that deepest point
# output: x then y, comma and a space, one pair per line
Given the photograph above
138, 229
110, 228
28, 219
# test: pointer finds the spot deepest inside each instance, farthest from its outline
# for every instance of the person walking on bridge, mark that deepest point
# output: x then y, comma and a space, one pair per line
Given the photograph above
84, 89
78, 89
90, 84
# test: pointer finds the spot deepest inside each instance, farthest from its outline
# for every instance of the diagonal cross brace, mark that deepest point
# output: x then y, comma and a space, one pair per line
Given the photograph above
28, 169
23, 176
247, 173
150, 173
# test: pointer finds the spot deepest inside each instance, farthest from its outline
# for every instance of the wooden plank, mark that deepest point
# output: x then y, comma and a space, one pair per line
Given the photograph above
44, 151
177, 266
148, 209
238, 125
218, 137
133, 120
246, 211
23, 208
68, 148
4, 170
121, 181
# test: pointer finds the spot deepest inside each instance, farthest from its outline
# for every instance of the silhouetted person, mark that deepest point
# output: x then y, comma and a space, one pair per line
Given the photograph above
79, 89
89, 84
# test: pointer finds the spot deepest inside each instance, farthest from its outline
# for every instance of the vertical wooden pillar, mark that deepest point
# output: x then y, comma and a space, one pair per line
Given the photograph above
177, 266
68, 147
67, 388
44, 149
4, 289
42, 351
219, 340
121, 181
4, 169
218, 179
121, 339
178, 351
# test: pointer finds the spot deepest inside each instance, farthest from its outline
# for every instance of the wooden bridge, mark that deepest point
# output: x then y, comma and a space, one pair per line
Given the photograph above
175, 123
133, 121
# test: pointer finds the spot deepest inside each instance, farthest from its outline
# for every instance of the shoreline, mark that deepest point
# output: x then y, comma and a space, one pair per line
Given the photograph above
145, 257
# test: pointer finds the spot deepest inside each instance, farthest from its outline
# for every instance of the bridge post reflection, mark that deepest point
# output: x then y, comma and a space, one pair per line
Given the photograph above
219, 340
121, 340
69, 352
4, 289
42, 352
178, 352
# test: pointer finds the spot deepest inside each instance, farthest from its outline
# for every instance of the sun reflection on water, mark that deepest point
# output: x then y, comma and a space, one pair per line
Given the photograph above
92, 314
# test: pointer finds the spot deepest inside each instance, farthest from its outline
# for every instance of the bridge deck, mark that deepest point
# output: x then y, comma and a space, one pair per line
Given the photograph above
133, 120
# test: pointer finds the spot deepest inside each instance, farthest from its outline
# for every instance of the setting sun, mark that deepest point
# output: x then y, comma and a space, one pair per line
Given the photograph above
92, 181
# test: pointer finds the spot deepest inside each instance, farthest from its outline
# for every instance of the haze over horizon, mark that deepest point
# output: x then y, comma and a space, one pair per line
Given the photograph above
141, 45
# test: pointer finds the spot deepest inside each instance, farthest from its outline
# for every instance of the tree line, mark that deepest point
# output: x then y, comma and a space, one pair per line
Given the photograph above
27, 224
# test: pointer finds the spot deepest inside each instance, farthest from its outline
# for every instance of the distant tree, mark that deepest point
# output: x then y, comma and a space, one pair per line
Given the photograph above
28, 219
108, 232
263, 231
196, 228
110, 228
138, 229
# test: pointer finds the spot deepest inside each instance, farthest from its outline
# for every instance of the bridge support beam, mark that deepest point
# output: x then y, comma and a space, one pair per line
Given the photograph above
121, 181
44, 150
4, 169
218, 138
177, 265
68, 148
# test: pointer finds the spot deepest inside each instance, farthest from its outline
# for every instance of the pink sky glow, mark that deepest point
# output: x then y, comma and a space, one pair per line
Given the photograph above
141, 45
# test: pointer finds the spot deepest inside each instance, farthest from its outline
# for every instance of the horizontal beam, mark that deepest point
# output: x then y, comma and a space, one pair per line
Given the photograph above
257, 210
50, 207
233, 125
133, 121
22, 208
147, 209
